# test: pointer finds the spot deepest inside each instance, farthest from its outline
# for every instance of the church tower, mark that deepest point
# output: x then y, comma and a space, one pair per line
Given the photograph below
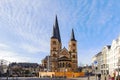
73, 51
55, 45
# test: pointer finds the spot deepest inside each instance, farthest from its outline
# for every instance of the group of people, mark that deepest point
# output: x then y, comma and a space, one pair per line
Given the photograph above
105, 78
111, 78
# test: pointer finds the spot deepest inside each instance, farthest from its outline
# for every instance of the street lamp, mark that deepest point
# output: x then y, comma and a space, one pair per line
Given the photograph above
8, 70
1, 70
7, 73
96, 72
96, 67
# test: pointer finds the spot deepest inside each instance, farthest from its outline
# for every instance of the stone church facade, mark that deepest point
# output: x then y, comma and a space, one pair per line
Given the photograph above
61, 59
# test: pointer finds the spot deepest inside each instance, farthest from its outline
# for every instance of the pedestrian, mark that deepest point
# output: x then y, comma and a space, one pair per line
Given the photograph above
99, 76
109, 77
112, 78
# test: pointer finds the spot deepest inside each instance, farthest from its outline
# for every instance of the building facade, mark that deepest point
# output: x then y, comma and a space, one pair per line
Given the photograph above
98, 59
110, 58
114, 56
24, 69
105, 65
61, 59
3, 66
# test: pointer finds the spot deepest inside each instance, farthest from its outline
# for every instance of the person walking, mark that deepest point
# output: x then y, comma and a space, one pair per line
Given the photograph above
109, 77
99, 76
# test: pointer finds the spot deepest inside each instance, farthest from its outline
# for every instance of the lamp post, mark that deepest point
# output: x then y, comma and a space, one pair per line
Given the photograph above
96, 63
87, 70
8, 70
96, 72
107, 69
1, 70
118, 71
7, 73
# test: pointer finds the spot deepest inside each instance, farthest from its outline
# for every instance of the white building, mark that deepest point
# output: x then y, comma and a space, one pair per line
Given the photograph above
110, 58
96, 62
3, 66
114, 56
104, 63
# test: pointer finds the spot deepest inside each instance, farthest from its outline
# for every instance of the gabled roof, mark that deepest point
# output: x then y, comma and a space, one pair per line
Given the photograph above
64, 52
64, 58
64, 49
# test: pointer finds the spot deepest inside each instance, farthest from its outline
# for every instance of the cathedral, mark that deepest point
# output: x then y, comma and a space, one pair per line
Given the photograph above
61, 59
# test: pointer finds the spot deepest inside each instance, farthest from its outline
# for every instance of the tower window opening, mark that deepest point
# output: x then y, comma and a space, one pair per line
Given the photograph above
73, 56
73, 50
54, 48
74, 44
54, 55
54, 42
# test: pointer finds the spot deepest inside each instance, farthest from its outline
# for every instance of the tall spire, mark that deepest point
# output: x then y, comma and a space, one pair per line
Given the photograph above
72, 36
54, 32
57, 30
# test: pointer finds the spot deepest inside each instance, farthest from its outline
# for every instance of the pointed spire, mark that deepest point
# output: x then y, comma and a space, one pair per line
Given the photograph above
72, 36
54, 32
57, 29
56, 22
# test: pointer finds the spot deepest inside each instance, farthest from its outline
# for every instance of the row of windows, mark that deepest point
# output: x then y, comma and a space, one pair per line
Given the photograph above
61, 65
104, 66
54, 55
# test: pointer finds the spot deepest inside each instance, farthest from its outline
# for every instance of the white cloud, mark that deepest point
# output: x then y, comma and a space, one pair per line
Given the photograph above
11, 56
30, 48
23, 22
3, 46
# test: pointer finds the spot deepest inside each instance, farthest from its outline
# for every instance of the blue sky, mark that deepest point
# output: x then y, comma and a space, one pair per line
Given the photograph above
26, 27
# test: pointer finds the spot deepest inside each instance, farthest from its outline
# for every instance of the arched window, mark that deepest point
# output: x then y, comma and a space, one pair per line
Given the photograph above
60, 65
69, 65
54, 55
73, 50
63, 64
73, 44
54, 48
66, 64
73, 56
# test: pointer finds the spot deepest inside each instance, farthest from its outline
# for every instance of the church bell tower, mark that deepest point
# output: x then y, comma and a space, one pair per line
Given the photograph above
55, 45
73, 51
